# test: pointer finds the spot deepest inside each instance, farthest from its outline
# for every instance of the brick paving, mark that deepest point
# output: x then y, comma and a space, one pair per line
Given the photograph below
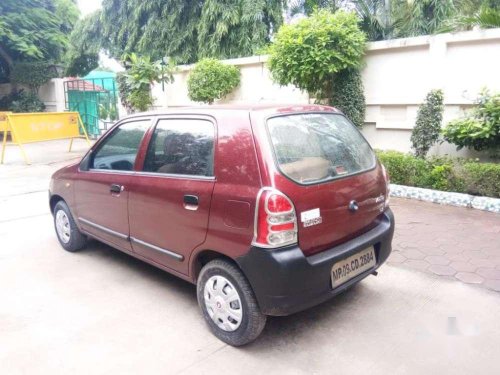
452, 242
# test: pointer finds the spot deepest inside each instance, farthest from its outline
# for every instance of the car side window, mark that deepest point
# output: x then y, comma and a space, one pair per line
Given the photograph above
181, 146
119, 150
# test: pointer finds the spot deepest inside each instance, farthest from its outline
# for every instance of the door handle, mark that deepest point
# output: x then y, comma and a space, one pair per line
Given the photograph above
115, 188
191, 202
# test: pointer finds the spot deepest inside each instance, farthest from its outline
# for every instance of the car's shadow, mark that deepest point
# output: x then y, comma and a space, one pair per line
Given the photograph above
146, 271
303, 326
279, 330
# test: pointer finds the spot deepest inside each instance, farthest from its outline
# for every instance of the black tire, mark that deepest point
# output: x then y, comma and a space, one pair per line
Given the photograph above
252, 322
77, 240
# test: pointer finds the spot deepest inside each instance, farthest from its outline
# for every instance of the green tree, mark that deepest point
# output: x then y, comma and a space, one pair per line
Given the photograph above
428, 125
85, 44
387, 19
484, 17
308, 6
422, 17
377, 18
33, 74
348, 95
307, 54
229, 28
34, 30
184, 30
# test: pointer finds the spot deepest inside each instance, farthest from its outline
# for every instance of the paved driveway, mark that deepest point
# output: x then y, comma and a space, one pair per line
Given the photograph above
101, 311
452, 242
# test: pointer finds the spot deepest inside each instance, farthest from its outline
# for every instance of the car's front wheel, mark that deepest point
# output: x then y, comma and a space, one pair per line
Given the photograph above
68, 234
228, 303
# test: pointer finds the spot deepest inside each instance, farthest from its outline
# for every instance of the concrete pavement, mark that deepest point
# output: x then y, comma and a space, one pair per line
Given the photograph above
101, 311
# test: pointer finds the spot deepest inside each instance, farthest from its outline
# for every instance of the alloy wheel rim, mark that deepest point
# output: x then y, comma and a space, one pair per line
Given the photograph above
62, 226
223, 303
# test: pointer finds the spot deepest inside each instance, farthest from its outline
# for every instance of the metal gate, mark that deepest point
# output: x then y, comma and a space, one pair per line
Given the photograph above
96, 99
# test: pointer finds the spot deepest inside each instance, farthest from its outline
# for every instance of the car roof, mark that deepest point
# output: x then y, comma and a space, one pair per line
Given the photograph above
246, 108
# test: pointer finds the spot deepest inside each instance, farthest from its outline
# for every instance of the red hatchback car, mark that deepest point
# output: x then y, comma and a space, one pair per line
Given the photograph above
269, 210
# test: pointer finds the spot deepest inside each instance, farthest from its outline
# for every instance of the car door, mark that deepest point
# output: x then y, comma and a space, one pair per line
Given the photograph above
169, 202
101, 190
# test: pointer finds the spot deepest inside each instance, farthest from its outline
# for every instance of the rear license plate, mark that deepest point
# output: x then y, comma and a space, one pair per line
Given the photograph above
356, 264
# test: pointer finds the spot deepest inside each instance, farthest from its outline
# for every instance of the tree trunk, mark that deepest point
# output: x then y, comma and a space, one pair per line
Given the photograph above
4, 55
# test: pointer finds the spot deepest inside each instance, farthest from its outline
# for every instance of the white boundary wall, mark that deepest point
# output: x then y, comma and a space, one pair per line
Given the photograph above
397, 76
52, 94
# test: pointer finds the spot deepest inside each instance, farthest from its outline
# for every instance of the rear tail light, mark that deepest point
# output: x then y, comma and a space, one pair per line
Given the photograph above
275, 220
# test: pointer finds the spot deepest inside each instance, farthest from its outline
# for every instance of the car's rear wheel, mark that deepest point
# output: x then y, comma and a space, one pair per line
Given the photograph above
228, 303
68, 234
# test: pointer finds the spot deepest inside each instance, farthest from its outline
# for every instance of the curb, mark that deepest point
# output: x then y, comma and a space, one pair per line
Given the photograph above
445, 197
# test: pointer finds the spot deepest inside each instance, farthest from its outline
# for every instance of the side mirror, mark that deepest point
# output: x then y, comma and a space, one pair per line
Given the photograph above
85, 163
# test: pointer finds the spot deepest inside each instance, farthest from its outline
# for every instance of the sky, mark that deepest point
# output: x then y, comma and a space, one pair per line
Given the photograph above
88, 6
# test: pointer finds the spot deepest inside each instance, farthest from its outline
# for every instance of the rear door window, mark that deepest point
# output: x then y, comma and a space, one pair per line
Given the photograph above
181, 147
312, 147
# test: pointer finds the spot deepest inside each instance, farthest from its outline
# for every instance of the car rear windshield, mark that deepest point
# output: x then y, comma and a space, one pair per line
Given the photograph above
317, 147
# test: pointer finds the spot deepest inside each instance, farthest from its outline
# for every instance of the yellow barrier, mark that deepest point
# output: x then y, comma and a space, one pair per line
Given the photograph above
39, 127
3, 121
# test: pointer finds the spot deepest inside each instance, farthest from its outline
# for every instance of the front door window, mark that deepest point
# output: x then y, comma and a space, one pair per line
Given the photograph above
119, 150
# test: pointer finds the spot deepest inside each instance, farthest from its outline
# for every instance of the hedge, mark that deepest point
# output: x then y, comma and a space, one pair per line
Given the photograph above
443, 173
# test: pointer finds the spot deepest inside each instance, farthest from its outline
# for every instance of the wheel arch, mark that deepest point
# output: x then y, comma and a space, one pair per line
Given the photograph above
203, 257
54, 199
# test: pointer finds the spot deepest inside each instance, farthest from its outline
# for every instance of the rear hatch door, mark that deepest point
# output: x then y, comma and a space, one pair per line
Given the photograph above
330, 173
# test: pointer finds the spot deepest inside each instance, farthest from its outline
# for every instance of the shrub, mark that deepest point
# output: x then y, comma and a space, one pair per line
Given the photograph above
404, 169
32, 74
6, 101
21, 101
480, 129
443, 173
135, 83
141, 100
103, 111
211, 80
428, 124
481, 179
445, 177
124, 91
308, 53
348, 95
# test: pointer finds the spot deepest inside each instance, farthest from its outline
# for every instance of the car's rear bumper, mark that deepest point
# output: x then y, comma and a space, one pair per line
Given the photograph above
285, 281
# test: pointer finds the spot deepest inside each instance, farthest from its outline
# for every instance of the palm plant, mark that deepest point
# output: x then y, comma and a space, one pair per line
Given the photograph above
484, 18
422, 17
387, 19
377, 19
